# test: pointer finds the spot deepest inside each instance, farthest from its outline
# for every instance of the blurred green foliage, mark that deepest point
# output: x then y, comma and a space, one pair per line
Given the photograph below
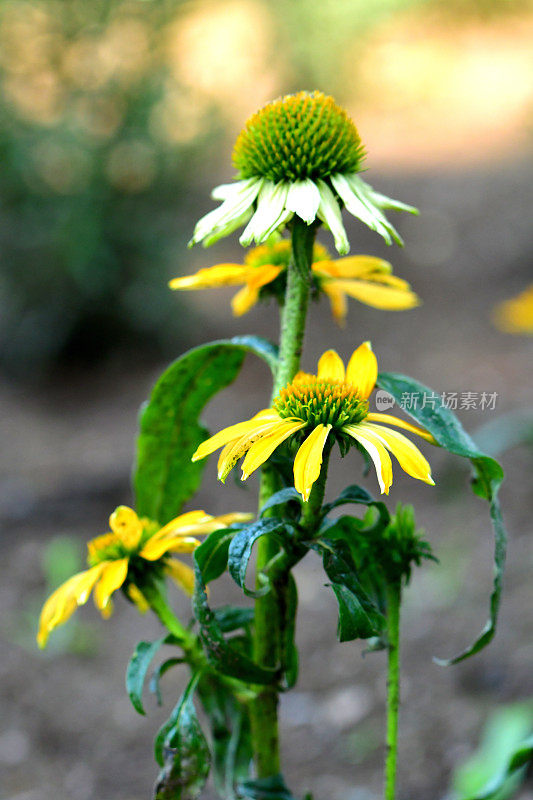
95, 163
113, 118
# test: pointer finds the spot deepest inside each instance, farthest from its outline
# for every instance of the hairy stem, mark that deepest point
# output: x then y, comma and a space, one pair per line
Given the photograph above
393, 687
268, 609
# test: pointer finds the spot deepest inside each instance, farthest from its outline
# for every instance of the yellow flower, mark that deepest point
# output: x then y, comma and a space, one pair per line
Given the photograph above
332, 402
516, 315
365, 278
116, 558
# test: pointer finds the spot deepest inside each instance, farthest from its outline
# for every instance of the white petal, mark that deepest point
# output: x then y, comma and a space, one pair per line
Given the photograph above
304, 199
237, 204
225, 230
356, 205
330, 213
270, 208
366, 194
383, 201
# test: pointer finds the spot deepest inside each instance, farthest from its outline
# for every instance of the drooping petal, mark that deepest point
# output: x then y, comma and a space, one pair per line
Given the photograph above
212, 277
232, 517
390, 419
308, 460
235, 449
261, 450
378, 296
356, 206
387, 202
304, 199
228, 228
375, 449
244, 300
238, 202
362, 369
65, 600
249, 294
330, 214
409, 456
112, 578
367, 196
153, 550
232, 432
330, 367
137, 597
337, 299
352, 266
270, 209
182, 574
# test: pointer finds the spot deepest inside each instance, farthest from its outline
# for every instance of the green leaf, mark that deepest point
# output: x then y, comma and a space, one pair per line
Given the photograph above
241, 547
273, 788
185, 753
230, 734
165, 476
280, 498
496, 771
158, 673
359, 618
220, 653
231, 618
212, 555
137, 669
358, 496
488, 476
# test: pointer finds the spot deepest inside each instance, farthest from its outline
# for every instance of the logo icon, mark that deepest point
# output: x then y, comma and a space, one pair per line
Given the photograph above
383, 400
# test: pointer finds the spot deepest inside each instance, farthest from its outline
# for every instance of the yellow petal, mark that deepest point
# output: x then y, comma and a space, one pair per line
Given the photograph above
261, 450
127, 526
64, 601
337, 299
330, 367
177, 544
362, 370
232, 432
113, 576
308, 460
372, 294
409, 456
244, 300
182, 574
377, 453
390, 419
236, 516
212, 277
183, 524
137, 597
238, 447
352, 266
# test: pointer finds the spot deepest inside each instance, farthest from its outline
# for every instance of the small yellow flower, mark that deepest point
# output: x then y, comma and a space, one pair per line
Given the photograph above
516, 315
334, 401
117, 557
365, 278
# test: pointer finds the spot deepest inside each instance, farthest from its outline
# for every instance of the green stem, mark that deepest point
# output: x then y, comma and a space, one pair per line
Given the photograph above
268, 609
394, 593
160, 607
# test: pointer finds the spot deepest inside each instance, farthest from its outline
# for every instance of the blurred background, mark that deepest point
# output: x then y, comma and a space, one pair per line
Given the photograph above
116, 120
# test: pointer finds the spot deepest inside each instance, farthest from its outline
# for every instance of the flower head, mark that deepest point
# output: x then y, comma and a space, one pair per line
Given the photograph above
365, 278
122, 556
319, 409
300, 154
516, 315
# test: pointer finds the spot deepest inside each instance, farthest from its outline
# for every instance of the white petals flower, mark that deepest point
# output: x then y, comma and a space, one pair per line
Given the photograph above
299, 155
